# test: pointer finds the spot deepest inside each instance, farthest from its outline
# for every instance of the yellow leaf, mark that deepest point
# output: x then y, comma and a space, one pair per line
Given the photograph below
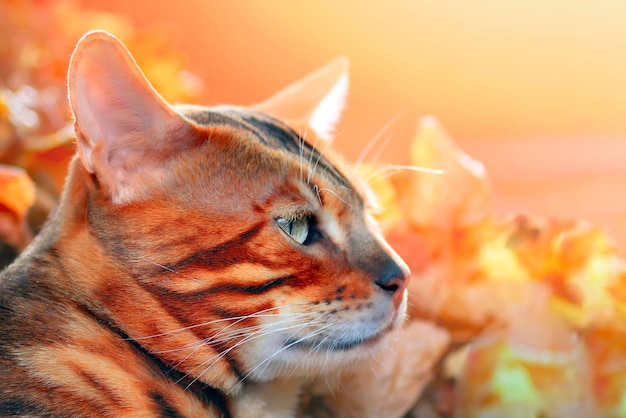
460, 196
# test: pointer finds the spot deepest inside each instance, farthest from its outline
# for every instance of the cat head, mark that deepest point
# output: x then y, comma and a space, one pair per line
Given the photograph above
236, 250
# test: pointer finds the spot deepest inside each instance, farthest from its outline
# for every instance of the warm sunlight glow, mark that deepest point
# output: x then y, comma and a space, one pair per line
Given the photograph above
508, 203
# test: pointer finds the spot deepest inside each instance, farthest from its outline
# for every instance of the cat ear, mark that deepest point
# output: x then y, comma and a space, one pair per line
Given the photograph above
316, 100
124, 128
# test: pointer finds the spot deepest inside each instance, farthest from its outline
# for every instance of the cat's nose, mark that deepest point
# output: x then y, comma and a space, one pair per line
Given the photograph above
393, 278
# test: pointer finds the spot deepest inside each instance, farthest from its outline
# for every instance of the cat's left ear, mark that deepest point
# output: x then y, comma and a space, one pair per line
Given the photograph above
315, 100
124, 128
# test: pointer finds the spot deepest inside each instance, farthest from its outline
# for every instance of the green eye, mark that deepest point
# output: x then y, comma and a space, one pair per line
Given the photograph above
297, 229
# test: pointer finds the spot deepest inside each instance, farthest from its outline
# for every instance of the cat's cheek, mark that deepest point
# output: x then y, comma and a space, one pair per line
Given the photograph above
357, 333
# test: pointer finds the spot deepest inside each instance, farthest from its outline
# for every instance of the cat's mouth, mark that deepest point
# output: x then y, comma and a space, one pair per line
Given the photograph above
342, 345
339, 344
342, 337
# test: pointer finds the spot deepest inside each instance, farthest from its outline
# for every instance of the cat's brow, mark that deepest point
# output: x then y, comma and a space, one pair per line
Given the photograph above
274, 134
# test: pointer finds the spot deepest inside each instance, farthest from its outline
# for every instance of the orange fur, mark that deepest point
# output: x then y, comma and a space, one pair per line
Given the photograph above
163, 284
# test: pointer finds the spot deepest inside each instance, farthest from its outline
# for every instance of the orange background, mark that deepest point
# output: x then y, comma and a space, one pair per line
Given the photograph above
535, 89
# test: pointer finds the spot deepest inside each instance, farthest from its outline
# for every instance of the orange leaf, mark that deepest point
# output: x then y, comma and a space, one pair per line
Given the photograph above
17, 191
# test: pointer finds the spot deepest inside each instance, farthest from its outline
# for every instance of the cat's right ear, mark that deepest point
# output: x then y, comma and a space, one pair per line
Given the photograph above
124, 128
315, 101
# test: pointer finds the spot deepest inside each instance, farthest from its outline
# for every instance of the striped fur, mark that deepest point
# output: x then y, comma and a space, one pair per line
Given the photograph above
185, 298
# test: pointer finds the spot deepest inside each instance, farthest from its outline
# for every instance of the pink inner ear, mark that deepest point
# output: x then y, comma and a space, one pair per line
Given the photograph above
125, 126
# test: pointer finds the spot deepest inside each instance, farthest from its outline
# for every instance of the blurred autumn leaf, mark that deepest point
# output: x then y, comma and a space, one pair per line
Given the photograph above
533, 301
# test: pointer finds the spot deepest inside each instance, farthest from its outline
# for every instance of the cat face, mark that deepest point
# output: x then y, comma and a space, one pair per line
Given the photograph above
253, 255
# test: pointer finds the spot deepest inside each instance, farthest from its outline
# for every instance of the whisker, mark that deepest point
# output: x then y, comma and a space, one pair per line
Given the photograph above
158, 265
213, 339
238, 332
301, 148
326, 189
310, 335
255, 334
299, 328
222, 336
391, 169
317, 193
380, 149
372, 142
306, 131
321, 153
215, 321
204, 324
248, 338
313, 148
214, 359
318, 346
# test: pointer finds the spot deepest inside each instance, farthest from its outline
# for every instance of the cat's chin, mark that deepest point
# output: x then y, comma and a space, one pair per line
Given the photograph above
311, 359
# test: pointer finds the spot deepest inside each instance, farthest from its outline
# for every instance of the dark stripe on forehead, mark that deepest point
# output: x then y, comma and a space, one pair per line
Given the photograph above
278, 135
270, 132
281, 136
208, 118
224, 118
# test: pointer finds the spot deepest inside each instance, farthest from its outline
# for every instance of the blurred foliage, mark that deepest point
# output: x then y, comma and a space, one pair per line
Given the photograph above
535, 308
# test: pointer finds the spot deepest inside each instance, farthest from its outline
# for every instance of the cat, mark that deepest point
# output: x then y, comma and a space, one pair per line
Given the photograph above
202, 262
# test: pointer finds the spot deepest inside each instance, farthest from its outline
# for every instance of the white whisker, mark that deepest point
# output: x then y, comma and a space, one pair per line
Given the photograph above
298, 341
233, 335
382, 146
372, 142
216, 321
223, 336
213, 360
313, 148
326, 189
317, 193
301, 149
158, 265
321, 153
391, 169
243, 331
